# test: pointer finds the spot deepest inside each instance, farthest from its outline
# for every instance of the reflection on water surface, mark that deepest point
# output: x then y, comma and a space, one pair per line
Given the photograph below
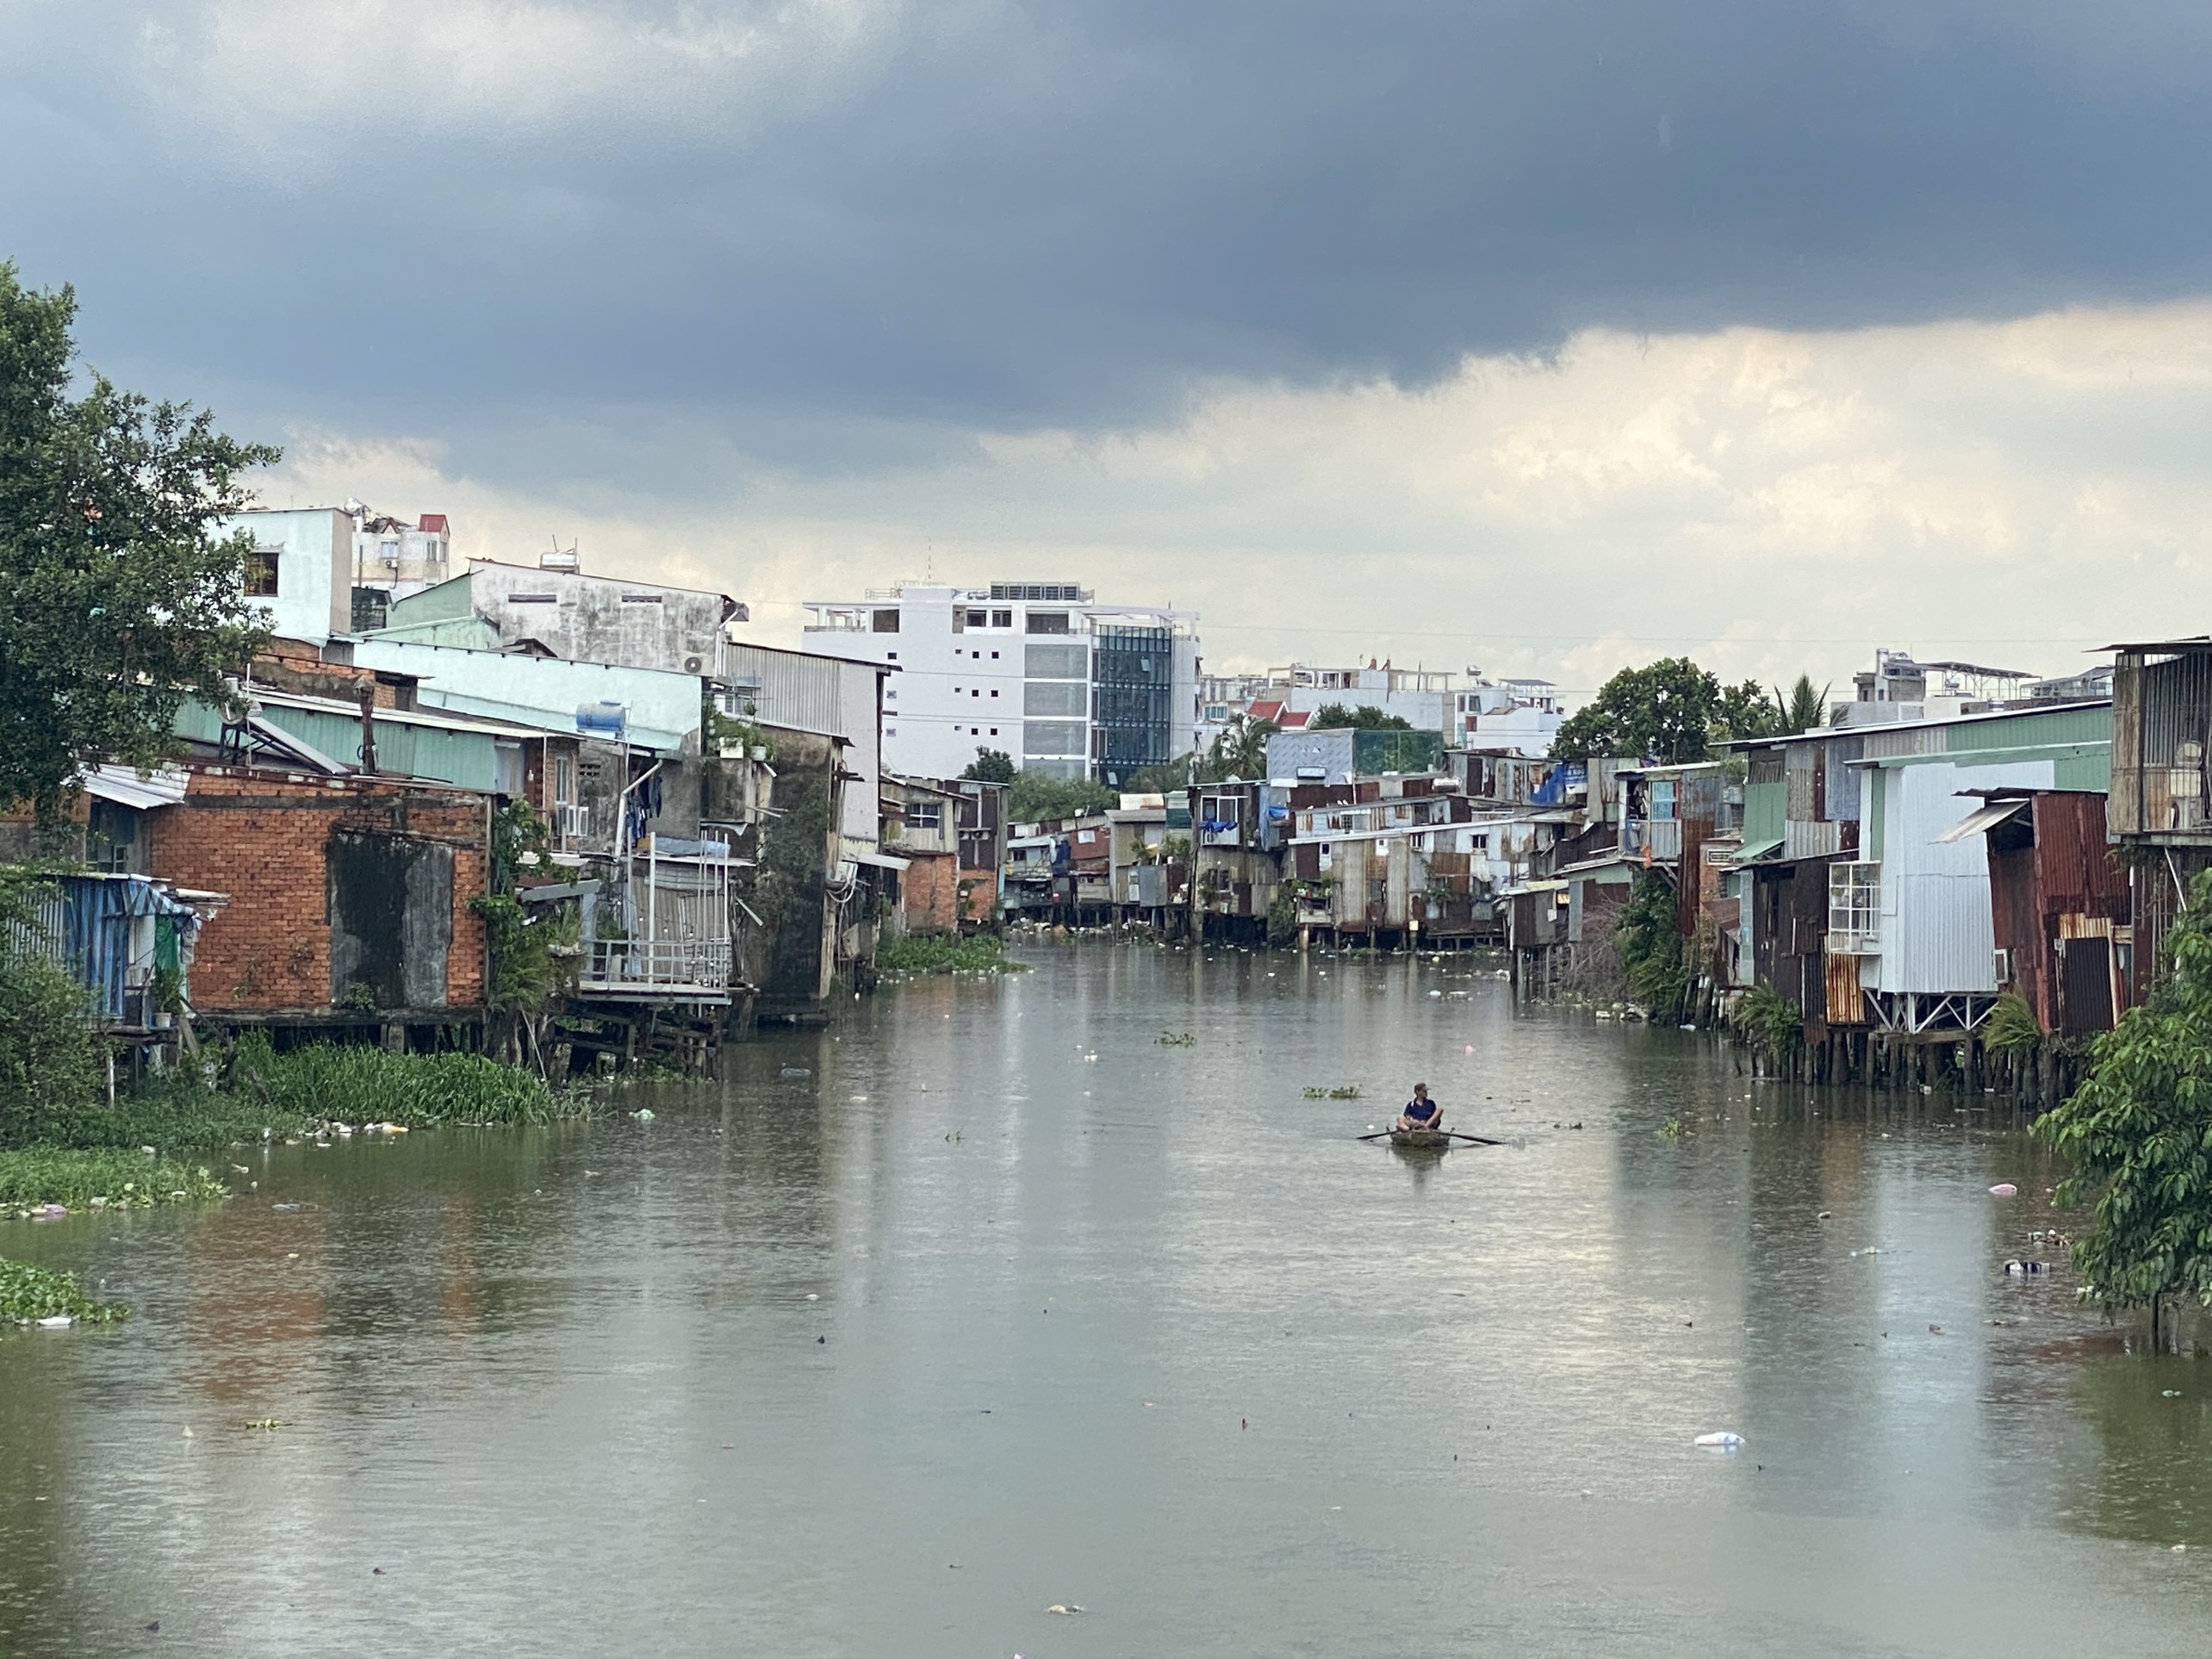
965, 1323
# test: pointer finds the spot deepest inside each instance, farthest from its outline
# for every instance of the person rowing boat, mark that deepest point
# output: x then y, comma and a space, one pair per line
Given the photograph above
1421, 1112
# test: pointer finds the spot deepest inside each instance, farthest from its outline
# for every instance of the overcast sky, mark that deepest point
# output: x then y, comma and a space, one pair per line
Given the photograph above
1546, 336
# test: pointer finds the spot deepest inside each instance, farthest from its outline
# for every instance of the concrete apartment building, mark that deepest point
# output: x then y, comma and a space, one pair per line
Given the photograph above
1069, 686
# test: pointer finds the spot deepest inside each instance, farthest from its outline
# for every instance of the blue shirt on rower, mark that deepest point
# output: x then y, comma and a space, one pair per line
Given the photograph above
1420, 1110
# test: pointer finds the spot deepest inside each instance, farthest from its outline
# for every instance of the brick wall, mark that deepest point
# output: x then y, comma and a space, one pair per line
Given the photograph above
261, 837
928, 890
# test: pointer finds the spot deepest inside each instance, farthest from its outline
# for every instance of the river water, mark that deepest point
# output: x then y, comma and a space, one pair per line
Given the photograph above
1006, 1303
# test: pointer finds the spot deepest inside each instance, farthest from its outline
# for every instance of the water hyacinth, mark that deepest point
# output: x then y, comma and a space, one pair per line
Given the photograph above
944, 953
40, 1176
32, 1295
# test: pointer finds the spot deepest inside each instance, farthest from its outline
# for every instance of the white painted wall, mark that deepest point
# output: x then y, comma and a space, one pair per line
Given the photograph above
314, 568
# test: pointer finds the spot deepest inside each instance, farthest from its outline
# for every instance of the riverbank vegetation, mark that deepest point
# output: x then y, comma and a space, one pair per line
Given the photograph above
944, 953
2138, 1133
30, 1294
32, 1178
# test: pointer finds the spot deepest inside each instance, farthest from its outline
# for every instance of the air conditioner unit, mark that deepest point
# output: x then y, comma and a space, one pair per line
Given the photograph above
694, 664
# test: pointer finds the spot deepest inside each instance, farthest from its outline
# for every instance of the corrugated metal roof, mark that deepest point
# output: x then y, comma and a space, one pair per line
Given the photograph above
125, 786
1983, 819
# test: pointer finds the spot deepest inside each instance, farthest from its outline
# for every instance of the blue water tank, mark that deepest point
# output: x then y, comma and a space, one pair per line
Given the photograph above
603, 720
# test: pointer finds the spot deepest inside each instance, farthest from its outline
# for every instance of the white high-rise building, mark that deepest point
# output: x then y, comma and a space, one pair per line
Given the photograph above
1066, 685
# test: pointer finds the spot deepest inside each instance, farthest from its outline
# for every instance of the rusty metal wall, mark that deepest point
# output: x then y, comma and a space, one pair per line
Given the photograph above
2076, 873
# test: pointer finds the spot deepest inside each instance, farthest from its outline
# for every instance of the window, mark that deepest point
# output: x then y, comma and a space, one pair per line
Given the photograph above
261, 574
890, 692
893, 655
1001, 619
890, 731
564, 780
1855, 909
886, 622
994, 731
978, 618
390, 551
533, 599
1047, 622
994, 693
643, 599
978, 693
978, 656
925, 814
994, 656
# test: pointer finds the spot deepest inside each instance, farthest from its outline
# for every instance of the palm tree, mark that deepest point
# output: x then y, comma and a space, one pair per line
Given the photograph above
1803, 710
1239, 752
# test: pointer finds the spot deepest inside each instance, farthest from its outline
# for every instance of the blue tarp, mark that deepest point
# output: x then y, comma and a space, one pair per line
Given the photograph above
99, 918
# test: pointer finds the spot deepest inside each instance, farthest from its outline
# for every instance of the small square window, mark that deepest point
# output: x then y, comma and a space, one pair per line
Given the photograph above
994, 656
261, 576
994, 731
894, 656
994, 693
975, 694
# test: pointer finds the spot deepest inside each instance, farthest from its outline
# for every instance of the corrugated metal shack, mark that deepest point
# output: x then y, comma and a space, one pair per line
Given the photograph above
2061, 905
2161, 731
127, 939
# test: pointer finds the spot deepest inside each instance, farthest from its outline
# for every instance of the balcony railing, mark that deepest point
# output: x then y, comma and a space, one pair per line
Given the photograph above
655, 968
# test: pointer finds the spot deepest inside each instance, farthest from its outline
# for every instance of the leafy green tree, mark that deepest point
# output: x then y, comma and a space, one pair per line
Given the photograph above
1668, 714
1745, 710
1159, 778
991, 766
2138, 1133
1802, 710
1038, 797
1337, 716
118, 597
1240, 751
1652, 947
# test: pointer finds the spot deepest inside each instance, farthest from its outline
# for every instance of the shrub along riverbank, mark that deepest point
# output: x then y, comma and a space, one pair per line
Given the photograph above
83, 1154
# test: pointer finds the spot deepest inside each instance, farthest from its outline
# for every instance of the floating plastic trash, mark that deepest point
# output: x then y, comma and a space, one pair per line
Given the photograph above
54, 1322
796, 1071
1719, 1440
2020, 1269
644, 1114
2004, 1190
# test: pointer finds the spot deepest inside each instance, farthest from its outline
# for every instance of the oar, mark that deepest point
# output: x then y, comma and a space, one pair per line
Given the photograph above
1471, 1140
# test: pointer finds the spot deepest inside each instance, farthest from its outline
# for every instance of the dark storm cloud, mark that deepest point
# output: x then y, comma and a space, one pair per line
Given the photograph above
1007, 215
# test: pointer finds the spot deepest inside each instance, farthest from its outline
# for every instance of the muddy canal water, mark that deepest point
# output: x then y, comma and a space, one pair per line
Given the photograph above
1001, 1303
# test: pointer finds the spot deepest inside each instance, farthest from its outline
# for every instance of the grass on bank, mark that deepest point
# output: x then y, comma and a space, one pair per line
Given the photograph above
944, 953
29, 1293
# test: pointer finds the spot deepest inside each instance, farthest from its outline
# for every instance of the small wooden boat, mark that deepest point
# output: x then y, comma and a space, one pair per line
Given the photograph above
1426, 1140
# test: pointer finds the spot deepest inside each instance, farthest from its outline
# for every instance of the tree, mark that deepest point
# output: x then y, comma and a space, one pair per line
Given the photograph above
1803, 710
1668, 714
1240, 751
991, 766
2138, 1133
1037, 797
1650, 946
1160, 777
1336, 717
118, 597
1745, 710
